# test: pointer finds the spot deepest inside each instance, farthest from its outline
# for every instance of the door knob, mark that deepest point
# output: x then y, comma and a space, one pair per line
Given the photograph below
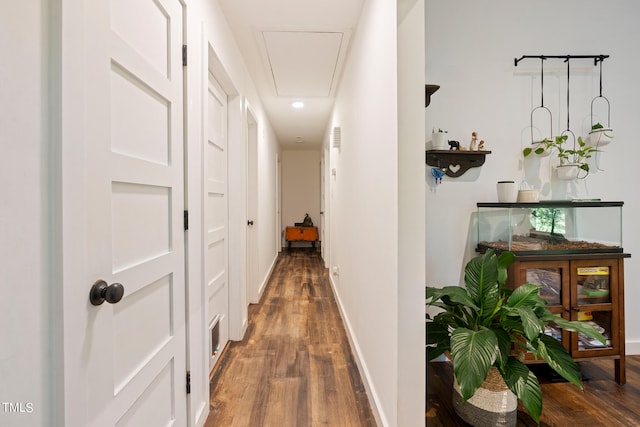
250, 222
101, 292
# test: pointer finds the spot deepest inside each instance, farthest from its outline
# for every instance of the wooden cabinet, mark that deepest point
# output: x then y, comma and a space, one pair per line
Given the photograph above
585, 287
301, 234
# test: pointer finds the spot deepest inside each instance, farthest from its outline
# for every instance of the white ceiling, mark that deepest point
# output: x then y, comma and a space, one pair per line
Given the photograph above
295, 50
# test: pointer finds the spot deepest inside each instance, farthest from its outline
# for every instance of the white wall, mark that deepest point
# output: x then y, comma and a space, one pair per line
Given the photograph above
366, 214
300, 186
470, 51
268, 233
411, 211
25, 220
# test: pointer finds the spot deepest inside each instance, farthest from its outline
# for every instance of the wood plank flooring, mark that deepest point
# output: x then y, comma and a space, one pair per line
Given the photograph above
295, 366
603, 402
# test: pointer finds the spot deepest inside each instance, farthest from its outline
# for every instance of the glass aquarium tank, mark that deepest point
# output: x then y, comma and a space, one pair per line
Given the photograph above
551, 227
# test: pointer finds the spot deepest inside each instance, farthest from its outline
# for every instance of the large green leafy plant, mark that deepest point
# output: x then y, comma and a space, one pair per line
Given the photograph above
485, 324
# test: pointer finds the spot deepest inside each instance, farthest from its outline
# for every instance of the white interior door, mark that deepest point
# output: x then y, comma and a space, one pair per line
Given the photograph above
252, 210
133, 350
216, 220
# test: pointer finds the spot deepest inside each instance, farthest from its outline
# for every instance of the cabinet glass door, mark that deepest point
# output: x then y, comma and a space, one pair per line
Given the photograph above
553, 277
594, 296
550, 282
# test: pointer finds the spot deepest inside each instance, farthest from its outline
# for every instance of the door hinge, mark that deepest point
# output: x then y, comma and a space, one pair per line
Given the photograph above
186, 220
184, 55
188, 382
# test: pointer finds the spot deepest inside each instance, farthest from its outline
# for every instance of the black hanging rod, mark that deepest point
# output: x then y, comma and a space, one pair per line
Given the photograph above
596, 58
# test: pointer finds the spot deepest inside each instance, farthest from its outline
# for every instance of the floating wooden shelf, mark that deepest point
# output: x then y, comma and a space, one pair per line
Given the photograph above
428, 91
456, 162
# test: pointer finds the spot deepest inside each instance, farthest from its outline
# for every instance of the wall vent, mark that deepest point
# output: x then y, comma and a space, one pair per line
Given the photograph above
336, 136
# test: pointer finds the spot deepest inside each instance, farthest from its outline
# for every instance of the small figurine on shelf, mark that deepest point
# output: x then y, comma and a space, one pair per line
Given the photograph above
473, 146
454, 145
481, 145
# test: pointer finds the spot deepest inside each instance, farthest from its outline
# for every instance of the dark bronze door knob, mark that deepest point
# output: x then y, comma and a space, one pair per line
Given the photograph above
101, 292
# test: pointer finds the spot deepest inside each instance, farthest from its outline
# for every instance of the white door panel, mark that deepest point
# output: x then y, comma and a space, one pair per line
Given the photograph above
216, 218
133, 351
253, 291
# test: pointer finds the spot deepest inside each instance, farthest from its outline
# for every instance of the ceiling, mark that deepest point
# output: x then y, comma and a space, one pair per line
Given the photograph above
295, 50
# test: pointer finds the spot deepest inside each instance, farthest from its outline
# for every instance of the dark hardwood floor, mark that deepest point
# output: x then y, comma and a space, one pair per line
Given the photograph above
294, 366
603, 402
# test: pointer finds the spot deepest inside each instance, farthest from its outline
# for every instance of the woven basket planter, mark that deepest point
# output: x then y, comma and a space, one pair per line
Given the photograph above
493, 404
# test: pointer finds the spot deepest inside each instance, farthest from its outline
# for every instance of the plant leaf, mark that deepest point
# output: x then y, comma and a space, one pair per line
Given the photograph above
504, 344
575, 326
436, 333
559, 359
524, 384
526, 151
456, 294
526, 295
473, 354
504, 260
481, 279
532, 325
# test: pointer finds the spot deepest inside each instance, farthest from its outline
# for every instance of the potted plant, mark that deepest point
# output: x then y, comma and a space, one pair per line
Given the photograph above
572, 160
599, 136
439, 139
486, 327
541, 148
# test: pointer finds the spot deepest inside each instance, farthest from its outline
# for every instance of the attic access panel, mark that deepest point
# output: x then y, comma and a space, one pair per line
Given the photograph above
303, 63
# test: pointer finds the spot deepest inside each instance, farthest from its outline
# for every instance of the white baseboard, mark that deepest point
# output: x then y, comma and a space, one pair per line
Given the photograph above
265, 280
632, 347
374, 400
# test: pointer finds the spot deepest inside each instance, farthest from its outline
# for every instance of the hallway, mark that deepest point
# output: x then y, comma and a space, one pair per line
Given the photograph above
294, 366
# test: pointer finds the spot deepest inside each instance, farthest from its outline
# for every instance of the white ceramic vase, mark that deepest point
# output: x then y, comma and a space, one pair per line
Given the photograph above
507, 191
439, 141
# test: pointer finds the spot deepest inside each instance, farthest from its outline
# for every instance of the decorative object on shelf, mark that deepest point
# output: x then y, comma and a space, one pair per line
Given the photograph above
454, 145
307, 222
481, 145
528, 196
485, 325
428, 91
473, 145
457, 161
439, 139
507, 191
438, 173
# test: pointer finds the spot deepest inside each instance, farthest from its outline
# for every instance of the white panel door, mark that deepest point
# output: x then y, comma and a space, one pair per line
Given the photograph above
253, 287
133, 350
216, 220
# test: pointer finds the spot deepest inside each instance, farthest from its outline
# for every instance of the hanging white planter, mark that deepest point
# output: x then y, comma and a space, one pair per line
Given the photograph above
567, 171
599, 137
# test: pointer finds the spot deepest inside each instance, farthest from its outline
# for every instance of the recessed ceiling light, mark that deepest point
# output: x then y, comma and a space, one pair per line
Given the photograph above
297, 104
